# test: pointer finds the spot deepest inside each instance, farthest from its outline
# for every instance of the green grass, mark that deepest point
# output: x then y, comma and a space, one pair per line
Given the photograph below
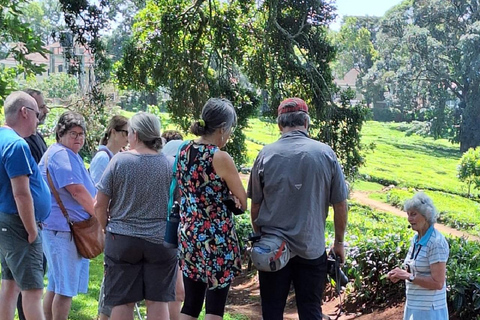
410, 161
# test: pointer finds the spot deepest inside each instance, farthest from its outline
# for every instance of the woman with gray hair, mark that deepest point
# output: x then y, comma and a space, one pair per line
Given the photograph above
208, 242
67, 270
132, 206
425, 264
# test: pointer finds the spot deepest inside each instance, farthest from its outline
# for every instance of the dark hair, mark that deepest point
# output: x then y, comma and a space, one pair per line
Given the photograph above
293, 119
67, 121
216, 113
117, 123
170, 135
147, 127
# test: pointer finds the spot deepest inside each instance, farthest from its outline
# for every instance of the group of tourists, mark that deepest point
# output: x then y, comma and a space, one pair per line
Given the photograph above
127, 188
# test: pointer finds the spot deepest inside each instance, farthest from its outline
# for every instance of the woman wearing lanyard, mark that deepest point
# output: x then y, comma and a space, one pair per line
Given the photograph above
425, 264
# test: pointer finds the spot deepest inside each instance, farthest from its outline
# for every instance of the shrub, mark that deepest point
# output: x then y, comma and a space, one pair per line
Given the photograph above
463, 278
469, 168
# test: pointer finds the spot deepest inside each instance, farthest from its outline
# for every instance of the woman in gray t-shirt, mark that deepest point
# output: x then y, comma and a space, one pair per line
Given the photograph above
133, 196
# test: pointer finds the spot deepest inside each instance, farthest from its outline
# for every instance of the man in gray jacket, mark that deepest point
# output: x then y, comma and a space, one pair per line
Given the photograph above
293, 182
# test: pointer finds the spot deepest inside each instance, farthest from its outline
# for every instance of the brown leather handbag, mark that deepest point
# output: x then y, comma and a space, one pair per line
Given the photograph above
87, 234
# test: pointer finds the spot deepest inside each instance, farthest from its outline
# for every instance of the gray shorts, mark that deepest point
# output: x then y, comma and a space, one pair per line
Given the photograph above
21, 261
136, 269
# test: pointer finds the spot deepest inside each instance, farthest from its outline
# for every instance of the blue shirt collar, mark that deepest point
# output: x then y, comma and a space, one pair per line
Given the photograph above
423, 241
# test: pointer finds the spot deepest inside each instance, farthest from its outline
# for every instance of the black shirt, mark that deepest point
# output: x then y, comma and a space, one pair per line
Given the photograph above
37, 146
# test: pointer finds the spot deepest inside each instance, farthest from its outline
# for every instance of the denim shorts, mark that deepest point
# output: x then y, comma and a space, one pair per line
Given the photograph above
21, 261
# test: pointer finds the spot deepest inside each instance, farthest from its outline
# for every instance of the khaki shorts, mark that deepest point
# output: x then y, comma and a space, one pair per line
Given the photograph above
21, 261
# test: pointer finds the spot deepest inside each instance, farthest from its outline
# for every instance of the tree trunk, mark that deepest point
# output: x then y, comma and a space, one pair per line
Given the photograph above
470, 129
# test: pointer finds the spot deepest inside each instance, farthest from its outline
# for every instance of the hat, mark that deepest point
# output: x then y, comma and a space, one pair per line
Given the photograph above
292, 105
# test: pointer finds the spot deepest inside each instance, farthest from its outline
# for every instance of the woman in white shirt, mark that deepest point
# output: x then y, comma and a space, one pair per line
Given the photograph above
425, 264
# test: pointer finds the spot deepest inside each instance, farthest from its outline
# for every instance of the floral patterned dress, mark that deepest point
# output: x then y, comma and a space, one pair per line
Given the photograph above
208, 242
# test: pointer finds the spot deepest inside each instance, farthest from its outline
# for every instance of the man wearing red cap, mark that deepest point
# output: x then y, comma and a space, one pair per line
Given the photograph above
293, 182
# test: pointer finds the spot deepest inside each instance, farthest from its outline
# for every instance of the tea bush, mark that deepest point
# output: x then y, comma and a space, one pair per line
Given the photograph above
463, 278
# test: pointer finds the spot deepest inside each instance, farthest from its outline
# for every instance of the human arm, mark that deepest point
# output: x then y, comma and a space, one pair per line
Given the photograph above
226, 169
101, 208
254, 210
24, 202
340, 218
82, 196
435, 281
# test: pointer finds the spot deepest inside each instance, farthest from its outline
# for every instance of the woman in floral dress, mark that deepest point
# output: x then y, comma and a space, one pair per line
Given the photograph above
208, 243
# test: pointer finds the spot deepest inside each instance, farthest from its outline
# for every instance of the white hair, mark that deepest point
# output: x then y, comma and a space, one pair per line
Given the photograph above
423, 205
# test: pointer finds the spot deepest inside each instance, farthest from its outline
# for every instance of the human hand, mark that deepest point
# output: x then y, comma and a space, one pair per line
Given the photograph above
32, 235
339, 250
398, 274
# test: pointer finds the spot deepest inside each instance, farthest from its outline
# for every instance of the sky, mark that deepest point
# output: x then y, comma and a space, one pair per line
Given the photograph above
361, 8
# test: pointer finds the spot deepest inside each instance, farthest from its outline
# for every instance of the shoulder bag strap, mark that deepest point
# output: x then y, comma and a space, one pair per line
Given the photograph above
55, 192
173, 184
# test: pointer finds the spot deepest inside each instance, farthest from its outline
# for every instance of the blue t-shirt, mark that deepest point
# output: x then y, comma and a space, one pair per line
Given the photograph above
66, 168
99, 163
17, 160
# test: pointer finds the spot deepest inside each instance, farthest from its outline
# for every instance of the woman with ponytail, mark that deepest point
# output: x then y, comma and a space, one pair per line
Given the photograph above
114, 139
206, 177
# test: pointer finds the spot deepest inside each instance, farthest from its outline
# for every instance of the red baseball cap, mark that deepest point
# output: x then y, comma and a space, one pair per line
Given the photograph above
292, 105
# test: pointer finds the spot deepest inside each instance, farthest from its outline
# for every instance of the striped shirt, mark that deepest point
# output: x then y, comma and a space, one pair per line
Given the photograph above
432, 248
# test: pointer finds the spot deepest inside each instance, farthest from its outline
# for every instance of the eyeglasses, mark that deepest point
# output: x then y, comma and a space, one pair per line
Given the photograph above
126, 131
75, 135
37, 113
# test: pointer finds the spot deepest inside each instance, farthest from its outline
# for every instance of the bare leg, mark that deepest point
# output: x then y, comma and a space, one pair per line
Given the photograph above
175, 307
123, 312
61, 307
47, 304
32, 304
8, 299
157, 310
212, 317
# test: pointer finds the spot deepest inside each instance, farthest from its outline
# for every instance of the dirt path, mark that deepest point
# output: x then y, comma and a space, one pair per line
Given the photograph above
362, 197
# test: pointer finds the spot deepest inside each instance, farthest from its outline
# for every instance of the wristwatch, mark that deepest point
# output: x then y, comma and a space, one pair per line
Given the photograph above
411, 278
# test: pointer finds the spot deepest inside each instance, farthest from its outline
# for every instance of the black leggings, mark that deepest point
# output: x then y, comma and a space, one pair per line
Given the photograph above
194, 295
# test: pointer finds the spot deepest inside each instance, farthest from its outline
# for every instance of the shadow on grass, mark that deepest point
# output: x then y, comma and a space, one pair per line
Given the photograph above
429, 150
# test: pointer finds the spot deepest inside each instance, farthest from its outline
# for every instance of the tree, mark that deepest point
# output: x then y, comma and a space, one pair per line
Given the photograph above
468, 169
291, 57
17, 40
57, 85
194, 51
429, 54
355, 47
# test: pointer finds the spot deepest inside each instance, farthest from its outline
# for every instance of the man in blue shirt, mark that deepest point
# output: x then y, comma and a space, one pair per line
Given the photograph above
25, 204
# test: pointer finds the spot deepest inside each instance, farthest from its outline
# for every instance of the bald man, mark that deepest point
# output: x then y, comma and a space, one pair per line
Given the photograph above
25, 205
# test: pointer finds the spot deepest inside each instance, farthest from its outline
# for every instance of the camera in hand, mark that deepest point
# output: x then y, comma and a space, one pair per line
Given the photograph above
334, 271
171, 230
232, 206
